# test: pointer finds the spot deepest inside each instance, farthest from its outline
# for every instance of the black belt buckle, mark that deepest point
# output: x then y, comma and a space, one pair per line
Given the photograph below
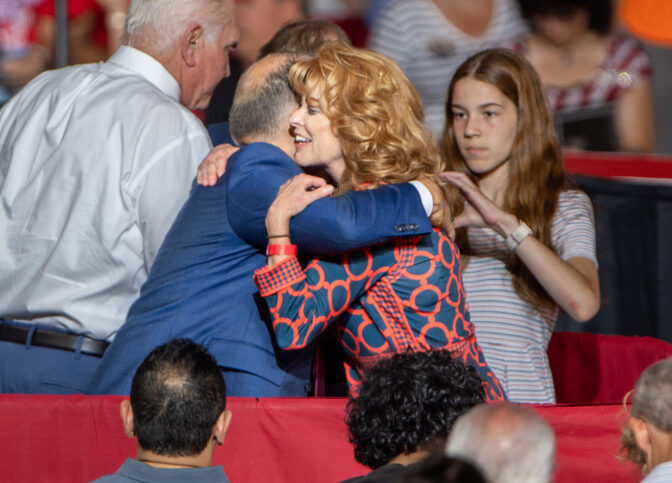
52, 339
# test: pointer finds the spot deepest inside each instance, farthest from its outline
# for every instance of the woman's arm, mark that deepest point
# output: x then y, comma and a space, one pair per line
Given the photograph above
634, 118
292, 198
302, 302
573, 284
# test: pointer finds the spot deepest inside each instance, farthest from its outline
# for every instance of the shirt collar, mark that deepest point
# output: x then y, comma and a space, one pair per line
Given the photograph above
138, 471
148, 67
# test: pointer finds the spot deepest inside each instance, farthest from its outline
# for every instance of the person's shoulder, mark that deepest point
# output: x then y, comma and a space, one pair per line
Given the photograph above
385, 473
252, 159
573, 201
262, 152
572, 197
623, 40
626, 53
144, 104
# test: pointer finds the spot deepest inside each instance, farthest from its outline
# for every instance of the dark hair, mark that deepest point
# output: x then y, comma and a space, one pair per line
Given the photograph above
303, 37
600, 12
439, 468
408, 402
177, 395
260, 107
536, 173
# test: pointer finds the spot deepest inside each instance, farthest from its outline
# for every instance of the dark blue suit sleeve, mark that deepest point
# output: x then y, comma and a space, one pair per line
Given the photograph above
356, 219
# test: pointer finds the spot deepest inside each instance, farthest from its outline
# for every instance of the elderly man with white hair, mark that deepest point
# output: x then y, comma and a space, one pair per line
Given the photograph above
508, 441
647, 439
95, 162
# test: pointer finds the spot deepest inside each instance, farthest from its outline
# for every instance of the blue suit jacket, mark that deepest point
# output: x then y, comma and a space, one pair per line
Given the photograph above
220, 133
201, 285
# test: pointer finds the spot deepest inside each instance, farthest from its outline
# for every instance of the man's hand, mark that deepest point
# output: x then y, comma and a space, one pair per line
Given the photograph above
441, 213
214, 165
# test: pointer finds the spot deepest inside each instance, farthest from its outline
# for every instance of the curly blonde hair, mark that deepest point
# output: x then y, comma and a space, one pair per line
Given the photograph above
375, 113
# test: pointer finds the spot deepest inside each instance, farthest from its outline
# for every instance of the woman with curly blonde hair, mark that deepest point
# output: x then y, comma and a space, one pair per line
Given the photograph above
361, 121
527, 236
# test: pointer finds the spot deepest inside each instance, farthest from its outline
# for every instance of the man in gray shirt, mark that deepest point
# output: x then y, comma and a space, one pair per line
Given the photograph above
178, 413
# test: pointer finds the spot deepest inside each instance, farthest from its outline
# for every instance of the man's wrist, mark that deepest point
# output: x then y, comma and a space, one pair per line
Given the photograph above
425, 196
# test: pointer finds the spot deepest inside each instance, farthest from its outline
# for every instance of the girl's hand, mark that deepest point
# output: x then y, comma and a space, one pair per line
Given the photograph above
292, 199
479, 209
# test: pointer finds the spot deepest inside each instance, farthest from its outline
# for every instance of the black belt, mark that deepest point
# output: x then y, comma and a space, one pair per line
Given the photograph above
52, 339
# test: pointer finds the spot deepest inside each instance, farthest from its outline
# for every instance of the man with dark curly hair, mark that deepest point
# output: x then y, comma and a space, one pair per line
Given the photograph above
405, 409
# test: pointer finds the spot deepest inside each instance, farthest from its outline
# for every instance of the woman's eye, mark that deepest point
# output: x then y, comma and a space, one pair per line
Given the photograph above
459, 115
313, 110
489, 113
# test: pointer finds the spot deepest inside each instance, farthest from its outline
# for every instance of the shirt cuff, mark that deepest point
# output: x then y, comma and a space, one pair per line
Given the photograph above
271, 280
425, 196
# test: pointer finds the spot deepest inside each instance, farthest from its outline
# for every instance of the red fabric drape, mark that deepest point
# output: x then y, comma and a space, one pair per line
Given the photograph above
599, 369
78, 438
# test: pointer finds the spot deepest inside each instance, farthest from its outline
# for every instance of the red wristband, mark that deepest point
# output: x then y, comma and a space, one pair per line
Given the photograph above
277, 249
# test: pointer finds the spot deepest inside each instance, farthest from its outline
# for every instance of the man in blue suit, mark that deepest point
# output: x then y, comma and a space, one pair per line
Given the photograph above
201, 286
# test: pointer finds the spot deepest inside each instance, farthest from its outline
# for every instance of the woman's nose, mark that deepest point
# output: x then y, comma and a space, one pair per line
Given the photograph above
295, 117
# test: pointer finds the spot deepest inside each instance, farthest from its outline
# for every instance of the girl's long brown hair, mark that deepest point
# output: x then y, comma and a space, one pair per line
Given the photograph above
536, 173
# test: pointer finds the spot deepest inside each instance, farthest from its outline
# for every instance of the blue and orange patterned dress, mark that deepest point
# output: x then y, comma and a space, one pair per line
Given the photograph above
404, 295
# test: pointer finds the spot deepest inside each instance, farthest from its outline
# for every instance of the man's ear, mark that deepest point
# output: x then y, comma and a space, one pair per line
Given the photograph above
642, 436
222, 425
189, 43
126, 413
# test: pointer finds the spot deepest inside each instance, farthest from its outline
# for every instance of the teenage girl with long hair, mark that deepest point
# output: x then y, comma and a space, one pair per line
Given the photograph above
528, 237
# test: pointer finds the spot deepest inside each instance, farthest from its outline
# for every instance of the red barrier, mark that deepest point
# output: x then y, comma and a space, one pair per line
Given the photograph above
600, 369
78, 438
614, 165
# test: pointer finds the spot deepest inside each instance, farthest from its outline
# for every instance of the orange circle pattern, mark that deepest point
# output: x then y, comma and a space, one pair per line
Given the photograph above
404, 295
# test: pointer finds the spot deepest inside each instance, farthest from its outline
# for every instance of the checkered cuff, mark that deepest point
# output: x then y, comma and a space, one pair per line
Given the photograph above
271, 280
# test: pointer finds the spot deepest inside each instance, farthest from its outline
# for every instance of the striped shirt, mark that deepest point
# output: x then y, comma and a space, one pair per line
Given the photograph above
429, 48
514, 335
626, 62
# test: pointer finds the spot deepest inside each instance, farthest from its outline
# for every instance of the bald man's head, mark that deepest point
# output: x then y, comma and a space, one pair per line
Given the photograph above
263, 101
510, 442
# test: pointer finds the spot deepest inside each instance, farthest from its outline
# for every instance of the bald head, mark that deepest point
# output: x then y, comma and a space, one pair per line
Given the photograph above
263, 101
508, 441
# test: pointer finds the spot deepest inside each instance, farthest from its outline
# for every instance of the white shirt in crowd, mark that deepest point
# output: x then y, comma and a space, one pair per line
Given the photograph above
429, 48
95, 162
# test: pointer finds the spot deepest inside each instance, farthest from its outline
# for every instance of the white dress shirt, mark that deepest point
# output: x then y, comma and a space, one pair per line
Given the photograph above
95, 162
660, 474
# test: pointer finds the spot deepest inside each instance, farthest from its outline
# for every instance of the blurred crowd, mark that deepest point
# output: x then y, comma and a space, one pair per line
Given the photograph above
604, 63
